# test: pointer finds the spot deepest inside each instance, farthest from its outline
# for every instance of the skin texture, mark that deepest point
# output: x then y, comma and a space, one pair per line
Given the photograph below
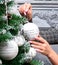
27, 9
42, 46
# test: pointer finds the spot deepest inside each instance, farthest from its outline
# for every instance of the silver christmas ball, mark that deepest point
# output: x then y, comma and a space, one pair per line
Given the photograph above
20, 40
30, 31
8, 50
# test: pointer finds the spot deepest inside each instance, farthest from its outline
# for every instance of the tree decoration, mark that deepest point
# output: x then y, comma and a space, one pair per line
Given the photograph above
20, 40
30, 31
8, 50
14, 47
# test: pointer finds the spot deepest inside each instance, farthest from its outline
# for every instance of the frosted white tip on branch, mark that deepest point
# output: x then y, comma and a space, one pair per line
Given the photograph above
0, 62
20, 40
31, 53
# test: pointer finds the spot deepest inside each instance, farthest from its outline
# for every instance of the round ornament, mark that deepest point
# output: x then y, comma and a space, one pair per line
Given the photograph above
8, 50
19, 40
30, 31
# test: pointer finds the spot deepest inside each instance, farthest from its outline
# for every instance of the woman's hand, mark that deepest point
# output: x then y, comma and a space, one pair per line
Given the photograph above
26, 10
41, 45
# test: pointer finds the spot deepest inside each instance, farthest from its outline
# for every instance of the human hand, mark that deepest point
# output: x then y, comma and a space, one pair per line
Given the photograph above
41, 46
26, 10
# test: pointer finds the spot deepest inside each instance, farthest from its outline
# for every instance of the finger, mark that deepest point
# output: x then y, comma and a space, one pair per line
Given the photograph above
21, 9
36, 43
27, 8
29, 14
40, 39
37, 47
28, 5
38, 50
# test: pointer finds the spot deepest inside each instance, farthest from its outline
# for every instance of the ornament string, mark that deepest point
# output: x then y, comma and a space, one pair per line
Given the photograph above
6, 11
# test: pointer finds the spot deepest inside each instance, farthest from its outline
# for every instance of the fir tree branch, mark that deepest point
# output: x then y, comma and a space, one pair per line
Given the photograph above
2, 9
36, 62
11, 3
5, 37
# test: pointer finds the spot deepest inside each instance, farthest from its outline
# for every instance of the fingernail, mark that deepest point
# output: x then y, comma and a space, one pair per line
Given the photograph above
24, 13
26, 10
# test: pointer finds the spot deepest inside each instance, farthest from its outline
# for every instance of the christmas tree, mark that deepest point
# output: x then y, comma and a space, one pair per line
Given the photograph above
14, 46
